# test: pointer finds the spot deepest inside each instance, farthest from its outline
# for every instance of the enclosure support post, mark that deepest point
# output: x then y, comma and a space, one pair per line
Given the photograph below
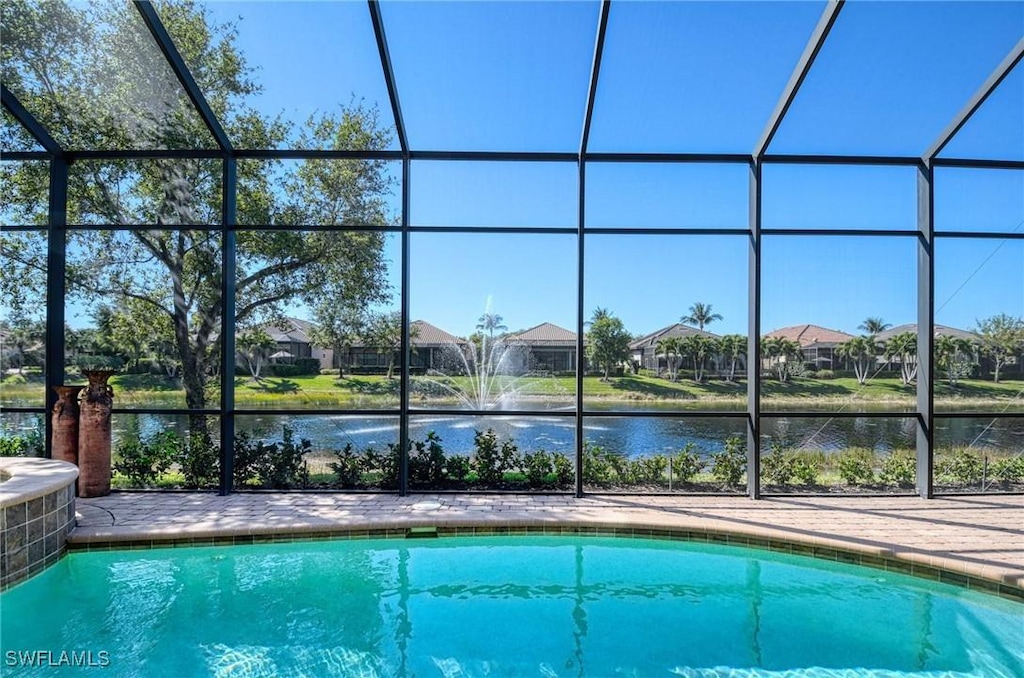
403, 426
579, 326
229, 218
754, 334
925, 331
56, 258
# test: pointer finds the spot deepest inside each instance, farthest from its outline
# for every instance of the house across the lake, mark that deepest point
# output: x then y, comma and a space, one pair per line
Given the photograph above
940, 331
432, 349
548, 348
644, 351
817, 343
293, 339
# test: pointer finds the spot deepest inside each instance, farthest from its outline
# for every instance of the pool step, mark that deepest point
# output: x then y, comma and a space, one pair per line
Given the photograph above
421, 533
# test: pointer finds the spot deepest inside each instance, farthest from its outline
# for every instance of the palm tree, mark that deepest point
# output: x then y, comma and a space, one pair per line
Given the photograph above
670, 348
862, 352
734, 347
254, 346
780, 352
599, 314
700, 315
490, 322
698, 347
904, 347
874, 326
954, 356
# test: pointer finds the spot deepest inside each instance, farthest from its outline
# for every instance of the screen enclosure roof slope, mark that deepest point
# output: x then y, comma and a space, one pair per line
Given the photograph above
517, 80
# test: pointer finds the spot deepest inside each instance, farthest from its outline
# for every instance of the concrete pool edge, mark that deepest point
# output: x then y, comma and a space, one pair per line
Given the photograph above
1006, 583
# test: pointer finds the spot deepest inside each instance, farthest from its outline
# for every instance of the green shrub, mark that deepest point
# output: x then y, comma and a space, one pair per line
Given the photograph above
648, 470
29, 444
283, 371
565, 473
596, 467
806, 469
427, 461
199, 460
143, 461
687, 464
538, 465
12, 446
1008, 469
347, 466
778, 466
492, 460
249, 456
900, 469
856, 467
729, 465
457, 468
959, 467
385, 465
279, 465
308, 366
620, 465
824, 374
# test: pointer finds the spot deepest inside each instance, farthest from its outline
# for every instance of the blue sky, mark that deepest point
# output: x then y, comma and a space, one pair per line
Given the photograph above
680, 77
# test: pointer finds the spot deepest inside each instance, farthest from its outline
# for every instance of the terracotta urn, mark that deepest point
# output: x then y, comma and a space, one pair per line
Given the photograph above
64, 418
94, 435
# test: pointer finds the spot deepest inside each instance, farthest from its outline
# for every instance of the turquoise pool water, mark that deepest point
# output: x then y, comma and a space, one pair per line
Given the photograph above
520, 606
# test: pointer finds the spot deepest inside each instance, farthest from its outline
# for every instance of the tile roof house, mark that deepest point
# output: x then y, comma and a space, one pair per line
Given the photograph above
981, 362
431, 346
550, 348
644, 351
292, 337
818, 343
940, 331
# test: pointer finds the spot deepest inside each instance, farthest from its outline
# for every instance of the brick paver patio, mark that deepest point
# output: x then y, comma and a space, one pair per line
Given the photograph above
978, 536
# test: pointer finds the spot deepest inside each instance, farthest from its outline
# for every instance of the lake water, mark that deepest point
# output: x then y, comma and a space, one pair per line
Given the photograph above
633, 436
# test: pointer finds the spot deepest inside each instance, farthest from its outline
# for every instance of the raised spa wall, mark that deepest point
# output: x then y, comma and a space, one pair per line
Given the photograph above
37, 511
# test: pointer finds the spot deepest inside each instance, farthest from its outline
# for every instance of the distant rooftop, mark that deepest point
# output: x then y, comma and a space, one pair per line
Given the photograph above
940, 331
425, 334
670, 332
545, 333
811, 335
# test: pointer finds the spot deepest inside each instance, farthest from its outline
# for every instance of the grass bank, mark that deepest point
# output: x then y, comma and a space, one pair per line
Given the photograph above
368, 392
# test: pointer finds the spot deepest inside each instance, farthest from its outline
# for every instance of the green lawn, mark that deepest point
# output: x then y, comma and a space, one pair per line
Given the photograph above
379, 392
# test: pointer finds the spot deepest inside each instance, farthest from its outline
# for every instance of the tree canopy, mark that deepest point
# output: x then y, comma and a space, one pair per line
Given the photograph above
114, 91
608, 342
700, 315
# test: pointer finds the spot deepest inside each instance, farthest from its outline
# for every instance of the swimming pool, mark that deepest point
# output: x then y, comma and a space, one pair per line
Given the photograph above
498, 606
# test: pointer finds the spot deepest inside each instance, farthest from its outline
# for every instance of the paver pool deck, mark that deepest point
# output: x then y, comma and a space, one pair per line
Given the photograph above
956, 538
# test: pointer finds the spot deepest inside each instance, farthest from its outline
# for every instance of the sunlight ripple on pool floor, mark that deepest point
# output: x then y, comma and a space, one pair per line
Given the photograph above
493, 606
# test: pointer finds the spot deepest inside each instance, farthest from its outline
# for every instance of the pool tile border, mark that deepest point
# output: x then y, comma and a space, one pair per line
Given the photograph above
849, 556
37, 513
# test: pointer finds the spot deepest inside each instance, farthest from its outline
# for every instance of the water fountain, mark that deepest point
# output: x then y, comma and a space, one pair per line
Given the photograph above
488, 372
484, 376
